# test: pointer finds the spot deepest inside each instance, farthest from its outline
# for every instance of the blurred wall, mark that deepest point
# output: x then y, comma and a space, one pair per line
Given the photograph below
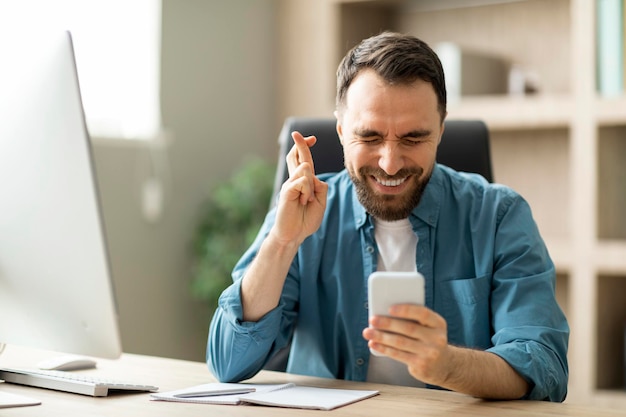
218, 103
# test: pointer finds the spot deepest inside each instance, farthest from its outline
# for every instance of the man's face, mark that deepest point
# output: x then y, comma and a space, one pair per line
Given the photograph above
390, 135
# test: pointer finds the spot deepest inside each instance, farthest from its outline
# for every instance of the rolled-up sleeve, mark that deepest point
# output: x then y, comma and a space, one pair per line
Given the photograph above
237, 350
530, 330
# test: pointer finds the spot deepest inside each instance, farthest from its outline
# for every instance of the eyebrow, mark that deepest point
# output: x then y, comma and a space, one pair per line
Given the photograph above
420, 133
368, 133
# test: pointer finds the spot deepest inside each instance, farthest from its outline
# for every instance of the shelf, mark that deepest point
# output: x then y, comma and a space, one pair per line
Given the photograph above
611, 111
515, 113
523, 159
611, 329
610, 257
561, 254
426, 5
611, 198
562, 292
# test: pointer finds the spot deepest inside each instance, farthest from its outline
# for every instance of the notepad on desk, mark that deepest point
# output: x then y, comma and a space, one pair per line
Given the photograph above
277, 395
8, 400
215, 393
212, 390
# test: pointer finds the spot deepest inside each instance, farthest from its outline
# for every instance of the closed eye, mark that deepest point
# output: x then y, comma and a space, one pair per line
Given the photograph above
369, 137
413, 140
416, 137
370, 140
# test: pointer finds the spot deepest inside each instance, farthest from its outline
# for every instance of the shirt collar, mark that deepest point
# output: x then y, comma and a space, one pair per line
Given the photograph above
427, 210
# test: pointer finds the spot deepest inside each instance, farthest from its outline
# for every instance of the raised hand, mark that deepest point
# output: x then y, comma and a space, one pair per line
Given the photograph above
299, 213
302, 198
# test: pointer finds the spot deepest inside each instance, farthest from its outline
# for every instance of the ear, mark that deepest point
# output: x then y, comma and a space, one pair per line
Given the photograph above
443, 127
339, 127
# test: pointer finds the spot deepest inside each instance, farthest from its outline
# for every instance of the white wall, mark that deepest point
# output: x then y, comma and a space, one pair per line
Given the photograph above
218, 102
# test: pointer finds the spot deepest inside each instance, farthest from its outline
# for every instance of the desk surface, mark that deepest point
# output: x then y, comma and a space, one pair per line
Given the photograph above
170, 374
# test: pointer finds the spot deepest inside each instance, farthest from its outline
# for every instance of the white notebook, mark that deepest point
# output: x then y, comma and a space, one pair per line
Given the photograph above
8, 400
276, 395
309, 397
213, 393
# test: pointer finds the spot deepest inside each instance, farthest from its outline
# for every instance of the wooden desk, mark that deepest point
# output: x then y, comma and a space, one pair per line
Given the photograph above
170, 374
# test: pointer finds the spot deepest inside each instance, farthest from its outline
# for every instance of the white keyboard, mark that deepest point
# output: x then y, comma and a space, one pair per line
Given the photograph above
71, 382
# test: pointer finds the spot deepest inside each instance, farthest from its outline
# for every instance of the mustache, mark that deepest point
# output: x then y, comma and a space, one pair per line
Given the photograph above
381, 174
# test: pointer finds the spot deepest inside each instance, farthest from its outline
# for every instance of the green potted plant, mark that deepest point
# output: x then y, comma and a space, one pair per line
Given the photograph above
231, 219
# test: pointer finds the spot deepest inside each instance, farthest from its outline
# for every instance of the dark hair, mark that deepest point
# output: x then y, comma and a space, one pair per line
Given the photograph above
398, 59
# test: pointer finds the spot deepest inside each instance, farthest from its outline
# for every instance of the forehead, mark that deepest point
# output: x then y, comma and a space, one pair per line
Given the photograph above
371, 98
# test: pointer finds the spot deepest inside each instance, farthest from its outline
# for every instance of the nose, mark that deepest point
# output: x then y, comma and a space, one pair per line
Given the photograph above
390, 158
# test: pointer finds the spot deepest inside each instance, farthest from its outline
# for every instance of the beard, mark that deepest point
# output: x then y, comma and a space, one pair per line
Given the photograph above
389, 207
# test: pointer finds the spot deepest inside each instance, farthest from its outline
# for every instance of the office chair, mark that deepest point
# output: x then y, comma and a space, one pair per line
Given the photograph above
464, 146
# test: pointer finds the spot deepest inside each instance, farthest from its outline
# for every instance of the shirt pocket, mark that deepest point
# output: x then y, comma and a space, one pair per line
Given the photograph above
465, 306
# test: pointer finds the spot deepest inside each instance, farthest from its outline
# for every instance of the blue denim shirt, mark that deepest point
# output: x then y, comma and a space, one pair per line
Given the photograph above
487, 270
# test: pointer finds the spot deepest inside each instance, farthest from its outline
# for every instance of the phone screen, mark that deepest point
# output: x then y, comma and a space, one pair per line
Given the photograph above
388, 288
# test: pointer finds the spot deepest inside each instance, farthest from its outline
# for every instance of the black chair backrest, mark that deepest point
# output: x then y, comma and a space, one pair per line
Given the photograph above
464, 146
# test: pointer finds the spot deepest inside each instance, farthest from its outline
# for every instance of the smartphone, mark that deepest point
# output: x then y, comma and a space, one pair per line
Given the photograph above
385, 289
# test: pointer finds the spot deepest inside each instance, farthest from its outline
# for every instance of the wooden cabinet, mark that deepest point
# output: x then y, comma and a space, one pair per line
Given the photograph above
563, 148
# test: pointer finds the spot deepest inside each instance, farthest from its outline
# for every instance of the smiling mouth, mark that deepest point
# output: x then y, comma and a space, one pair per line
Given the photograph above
390, 182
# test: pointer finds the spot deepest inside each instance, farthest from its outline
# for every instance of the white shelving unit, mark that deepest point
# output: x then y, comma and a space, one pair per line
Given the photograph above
563, 148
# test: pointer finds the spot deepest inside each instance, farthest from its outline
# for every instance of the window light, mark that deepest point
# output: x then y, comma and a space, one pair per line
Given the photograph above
117, 46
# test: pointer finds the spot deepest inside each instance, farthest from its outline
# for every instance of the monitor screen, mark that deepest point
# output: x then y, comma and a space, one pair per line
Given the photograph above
55, 282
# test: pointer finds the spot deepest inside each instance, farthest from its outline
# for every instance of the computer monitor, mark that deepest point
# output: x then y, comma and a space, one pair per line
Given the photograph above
56, 289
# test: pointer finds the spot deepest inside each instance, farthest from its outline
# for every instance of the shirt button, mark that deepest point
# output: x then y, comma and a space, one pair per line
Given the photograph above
366, 305
360, 361
370, 249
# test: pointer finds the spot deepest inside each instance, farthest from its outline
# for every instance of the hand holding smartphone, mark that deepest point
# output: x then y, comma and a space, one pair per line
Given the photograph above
385, 289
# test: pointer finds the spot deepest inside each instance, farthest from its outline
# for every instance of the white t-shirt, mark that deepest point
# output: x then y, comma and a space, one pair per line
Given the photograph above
396, 243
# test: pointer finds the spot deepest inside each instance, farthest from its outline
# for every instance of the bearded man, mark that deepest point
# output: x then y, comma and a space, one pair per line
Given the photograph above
490, 327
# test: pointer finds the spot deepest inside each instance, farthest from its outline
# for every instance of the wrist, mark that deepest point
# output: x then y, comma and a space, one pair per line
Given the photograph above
448, 374
281, 247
